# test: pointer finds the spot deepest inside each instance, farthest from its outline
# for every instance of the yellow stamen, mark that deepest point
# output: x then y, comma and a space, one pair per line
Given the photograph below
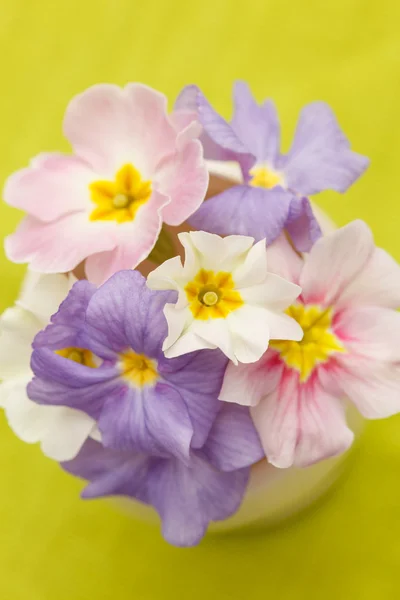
138, 369
78, 355
212, 295
119, 200
264, 177
318, 343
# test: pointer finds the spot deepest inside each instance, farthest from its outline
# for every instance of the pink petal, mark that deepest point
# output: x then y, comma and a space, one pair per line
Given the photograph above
246, 384
135, 242
183, 177
58, 246
283, 260
334, 261
276, 420
370, 331
300, 424
52, 186
374, 388
323, 431
378, 283
109, 126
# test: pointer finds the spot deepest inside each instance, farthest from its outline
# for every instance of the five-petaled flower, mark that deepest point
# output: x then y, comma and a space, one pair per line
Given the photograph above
271, 188
132, 170
141, 401
350, 349
227, 299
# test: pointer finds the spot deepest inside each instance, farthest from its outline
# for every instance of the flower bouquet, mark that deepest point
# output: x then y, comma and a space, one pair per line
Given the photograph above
189, 324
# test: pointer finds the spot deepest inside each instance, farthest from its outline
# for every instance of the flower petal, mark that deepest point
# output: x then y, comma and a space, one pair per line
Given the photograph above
43, 294
334, 262
17, 330
374, 388
302, 226
188, 498
152, 420
370, 331
58, 246
377, 284
233, 442
320, 157
198, 378
275, 292
283, 260
246, 384
184, 178
187, 102
52, 186
256, 126
134, 240
109, 126
120, 313
245, 210
66, 325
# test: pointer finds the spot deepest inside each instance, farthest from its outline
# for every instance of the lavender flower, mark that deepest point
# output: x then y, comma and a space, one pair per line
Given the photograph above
273, 190
140, 400
210, 487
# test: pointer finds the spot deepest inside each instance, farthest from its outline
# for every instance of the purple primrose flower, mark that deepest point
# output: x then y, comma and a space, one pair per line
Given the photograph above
186, 496
274, 188
166, 439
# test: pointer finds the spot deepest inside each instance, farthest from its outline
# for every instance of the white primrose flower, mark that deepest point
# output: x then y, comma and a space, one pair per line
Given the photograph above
60, 430
227, 299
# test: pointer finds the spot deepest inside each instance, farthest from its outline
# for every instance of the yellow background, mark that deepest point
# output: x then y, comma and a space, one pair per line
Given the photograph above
56, 547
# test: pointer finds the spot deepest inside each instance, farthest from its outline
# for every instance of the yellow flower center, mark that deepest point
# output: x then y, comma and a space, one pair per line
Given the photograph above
264, 177
212, 295
119, 200
318, 343
78, 355
138, 369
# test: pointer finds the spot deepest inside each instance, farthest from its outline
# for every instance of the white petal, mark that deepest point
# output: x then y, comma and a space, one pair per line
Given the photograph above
216, 333
66, 432
165, 277
42, 294
188, 342
283, 327
178, 320
249, 326
18, 327
214, 252
275, 292
26, 418
253, 269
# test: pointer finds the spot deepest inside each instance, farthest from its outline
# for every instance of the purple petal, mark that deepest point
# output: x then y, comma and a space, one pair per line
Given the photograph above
153, 420
187, 100
63, 382
233, 442
256, 126
66, 325
124, 313
110, 472
302, 225
198, 377
320, 157
245, 210
188, 498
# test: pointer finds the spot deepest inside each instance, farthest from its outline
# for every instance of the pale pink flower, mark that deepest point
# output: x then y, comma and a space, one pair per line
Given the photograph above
133, 168
350, 350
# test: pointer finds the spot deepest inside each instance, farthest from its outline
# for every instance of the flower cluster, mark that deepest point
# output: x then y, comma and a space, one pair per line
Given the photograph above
246, 347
